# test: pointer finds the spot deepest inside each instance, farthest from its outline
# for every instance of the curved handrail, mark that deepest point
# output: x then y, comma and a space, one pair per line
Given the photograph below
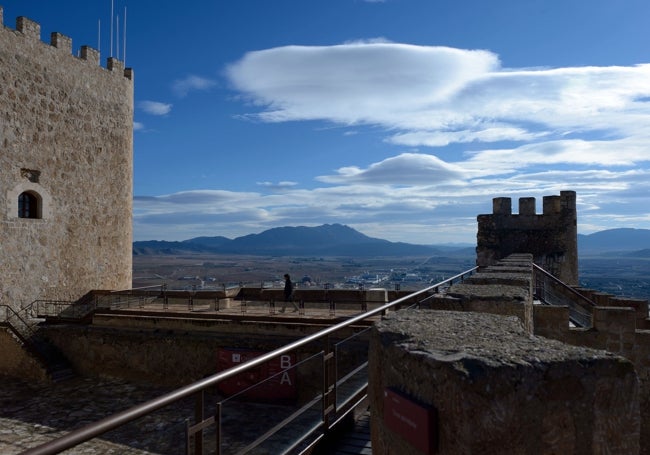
564, 285
92, 430
580, 306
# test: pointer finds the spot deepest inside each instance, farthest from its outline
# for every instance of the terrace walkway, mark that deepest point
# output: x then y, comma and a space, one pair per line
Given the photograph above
31, 414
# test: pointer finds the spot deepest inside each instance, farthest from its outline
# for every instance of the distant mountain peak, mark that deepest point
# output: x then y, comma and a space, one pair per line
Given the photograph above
323, 240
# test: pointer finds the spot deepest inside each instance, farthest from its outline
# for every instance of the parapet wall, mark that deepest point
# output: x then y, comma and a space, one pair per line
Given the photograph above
621, 328
461, 383
16, 361
552, 237
176, 351
620, 325
66, 139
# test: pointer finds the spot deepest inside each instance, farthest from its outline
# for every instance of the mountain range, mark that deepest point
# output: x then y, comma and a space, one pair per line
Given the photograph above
341, 240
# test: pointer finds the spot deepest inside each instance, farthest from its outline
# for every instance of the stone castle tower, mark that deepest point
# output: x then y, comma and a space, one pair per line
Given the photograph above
552, 237
66, 168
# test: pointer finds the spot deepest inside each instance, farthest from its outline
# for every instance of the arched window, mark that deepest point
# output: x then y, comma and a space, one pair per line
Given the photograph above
28, 205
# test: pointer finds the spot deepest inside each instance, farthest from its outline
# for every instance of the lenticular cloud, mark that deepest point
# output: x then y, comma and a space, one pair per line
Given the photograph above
435, 96
357, 82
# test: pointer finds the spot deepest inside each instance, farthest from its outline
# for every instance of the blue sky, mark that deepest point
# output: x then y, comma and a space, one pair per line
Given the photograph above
399, 118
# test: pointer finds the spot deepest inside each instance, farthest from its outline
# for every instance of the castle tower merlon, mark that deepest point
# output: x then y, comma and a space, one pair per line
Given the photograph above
29, 28
552, 205
502, 206
115, 65
568, 200
527, 206
89, 54
60, 41
551, 237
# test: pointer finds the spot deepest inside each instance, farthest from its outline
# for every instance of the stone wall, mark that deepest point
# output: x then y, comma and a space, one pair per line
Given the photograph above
491, 388
552, 237
619, 326
614, 329
16, 361
504, 288
66, 139
176, 351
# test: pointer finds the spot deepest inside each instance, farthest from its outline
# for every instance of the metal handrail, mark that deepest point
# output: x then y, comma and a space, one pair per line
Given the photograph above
575, 300
564, 285
92, 430
25, 324
27, 339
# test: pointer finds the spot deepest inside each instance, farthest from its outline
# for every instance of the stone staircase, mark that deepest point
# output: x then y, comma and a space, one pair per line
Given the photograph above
25, 331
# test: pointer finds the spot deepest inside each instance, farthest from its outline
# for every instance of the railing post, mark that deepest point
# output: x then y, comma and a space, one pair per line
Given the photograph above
188, 437
165, 298
198, 417
272, 306
329, 391
217, 419
190, 302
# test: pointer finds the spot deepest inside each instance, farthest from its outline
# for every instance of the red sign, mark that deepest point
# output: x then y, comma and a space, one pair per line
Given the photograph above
273, 381
415, 422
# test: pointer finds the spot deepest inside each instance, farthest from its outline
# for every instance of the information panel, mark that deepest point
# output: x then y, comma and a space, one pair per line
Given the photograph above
413, 421
279, 379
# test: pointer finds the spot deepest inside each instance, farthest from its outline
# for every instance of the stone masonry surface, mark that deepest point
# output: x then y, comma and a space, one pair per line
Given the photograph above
66, 138
498, 390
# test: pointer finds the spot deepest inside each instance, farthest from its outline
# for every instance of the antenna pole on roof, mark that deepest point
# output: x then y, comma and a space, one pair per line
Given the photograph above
99, 36
124, 39
117, 36
111, 54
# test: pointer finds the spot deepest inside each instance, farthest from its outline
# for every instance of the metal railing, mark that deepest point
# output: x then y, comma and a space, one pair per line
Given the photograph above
20, 326
552, 291
23, 331
344, 384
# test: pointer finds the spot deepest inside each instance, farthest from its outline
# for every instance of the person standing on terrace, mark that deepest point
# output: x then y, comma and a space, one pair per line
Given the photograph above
288, 293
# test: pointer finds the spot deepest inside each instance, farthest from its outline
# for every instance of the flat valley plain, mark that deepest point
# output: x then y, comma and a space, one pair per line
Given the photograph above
211, 270
617, 275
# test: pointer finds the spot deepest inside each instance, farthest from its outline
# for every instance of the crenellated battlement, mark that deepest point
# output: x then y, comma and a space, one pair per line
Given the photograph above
551, 206
31, 32
551, 237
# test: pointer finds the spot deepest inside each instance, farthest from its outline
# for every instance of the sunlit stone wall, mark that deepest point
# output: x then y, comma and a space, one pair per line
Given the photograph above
66, 138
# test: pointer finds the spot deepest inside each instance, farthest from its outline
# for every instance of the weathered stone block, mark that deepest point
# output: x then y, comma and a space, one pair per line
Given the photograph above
497, 390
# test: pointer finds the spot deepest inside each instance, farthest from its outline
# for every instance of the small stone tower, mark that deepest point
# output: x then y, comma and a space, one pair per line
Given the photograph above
66, 168
552, 238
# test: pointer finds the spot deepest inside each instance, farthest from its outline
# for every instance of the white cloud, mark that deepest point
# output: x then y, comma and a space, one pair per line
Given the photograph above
190, 83
137, 126
155, 107
406, 169
435, 96
360, 82
279, 186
